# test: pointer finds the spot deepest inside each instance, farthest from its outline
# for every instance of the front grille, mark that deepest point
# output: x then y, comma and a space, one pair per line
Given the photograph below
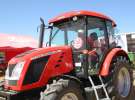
35, 70
10, 68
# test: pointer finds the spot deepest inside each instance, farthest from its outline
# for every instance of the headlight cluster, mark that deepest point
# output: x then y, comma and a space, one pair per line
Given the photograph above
15, 73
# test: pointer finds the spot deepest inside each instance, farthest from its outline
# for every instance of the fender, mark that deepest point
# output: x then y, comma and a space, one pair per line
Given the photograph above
106, 64
72, 78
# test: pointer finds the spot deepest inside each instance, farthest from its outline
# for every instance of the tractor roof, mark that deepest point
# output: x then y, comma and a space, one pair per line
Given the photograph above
79, 13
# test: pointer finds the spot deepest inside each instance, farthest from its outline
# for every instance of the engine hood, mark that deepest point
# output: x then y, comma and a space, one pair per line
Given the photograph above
37, 53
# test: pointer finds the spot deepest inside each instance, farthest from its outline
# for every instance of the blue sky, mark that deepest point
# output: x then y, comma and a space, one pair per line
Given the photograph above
22, 16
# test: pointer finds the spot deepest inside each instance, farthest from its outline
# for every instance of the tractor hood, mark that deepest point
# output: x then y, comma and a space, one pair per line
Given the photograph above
37, 53
53, 61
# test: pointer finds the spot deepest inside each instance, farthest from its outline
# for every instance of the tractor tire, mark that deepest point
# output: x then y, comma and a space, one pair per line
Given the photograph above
62, 90
122, 81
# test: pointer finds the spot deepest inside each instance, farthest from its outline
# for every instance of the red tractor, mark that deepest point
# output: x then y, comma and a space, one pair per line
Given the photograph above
81, 62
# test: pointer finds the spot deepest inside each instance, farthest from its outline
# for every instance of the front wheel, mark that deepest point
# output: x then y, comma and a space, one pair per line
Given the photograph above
62, 90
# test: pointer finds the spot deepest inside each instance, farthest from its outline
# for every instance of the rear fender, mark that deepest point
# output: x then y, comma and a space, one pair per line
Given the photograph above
107, 62
77, 80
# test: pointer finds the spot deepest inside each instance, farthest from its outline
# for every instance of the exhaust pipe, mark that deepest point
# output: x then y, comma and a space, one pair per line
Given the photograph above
41, 36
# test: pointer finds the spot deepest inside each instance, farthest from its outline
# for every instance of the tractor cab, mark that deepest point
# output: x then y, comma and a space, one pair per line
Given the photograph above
89, 35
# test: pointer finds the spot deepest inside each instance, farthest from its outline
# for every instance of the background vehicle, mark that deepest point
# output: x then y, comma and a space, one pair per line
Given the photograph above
128, 41
7, 52
82, 59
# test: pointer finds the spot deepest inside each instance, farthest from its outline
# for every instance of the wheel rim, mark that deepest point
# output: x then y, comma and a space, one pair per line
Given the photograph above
69, 96
124, 82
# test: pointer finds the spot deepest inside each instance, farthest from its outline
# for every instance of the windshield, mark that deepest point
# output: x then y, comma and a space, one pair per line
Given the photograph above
67, 33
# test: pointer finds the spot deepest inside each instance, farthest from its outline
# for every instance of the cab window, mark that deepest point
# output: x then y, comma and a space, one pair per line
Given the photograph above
111, 35
97, 34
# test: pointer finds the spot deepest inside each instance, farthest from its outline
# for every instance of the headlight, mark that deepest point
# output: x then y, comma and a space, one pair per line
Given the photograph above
16, 73
7, 74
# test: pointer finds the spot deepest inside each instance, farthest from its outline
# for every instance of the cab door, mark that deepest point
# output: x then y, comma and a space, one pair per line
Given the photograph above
97, 43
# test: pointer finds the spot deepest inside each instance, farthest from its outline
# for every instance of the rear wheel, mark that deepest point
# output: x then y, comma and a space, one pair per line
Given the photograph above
122, 79
62, 90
